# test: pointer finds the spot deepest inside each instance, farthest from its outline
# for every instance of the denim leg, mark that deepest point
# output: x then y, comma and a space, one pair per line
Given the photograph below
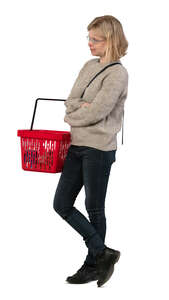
96, 170
70, 184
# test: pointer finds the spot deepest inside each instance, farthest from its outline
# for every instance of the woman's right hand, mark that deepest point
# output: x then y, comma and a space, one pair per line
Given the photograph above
85, 104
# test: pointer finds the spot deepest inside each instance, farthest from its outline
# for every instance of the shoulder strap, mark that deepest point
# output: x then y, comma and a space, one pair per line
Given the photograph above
95, 77
98, 74
122, 128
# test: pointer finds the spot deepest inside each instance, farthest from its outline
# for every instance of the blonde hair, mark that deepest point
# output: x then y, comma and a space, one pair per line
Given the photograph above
111, 30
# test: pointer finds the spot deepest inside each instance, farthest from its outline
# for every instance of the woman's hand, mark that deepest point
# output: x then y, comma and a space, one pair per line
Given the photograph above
85, 104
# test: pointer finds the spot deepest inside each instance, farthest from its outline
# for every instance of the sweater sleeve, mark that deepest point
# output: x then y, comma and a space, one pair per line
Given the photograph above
73, 103
104, 102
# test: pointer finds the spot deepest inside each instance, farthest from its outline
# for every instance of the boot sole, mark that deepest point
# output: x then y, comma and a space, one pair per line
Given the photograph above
108, 274
87, 281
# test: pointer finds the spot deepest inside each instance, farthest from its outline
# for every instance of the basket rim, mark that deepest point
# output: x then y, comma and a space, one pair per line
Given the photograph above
43, 134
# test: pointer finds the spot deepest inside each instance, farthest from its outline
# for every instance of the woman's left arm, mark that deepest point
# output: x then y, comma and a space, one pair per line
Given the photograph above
104, 102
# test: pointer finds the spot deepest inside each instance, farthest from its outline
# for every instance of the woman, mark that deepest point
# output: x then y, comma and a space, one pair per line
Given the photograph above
95, 121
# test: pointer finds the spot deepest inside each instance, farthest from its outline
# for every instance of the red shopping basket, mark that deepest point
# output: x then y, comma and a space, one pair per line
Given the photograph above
43, 150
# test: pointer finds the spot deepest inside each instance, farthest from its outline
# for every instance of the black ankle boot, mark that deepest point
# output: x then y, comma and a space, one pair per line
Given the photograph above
85, 274
105, 264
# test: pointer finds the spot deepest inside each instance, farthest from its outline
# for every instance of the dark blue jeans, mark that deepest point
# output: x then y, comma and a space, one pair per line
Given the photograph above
89, 167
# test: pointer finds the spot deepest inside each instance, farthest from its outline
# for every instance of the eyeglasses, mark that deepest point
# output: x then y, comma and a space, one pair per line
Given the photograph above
94, 41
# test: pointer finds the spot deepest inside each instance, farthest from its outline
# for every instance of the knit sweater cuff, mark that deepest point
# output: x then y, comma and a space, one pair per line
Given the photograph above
72, 105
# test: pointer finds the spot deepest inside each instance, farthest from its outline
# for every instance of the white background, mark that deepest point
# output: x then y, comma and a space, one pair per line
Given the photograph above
43, 47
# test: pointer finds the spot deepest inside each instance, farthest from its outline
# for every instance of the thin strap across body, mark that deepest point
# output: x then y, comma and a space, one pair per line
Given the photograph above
95, 77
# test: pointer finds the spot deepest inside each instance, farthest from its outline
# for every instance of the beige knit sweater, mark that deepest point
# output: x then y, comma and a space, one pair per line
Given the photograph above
97, 124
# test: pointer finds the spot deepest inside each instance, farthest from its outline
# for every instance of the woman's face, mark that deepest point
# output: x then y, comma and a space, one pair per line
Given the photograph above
97, 44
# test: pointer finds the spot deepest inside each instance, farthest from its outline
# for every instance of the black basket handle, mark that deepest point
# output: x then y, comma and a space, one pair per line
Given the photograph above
36, 102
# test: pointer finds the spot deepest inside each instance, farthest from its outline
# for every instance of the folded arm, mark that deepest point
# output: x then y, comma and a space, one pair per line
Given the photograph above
104, 102
72, 104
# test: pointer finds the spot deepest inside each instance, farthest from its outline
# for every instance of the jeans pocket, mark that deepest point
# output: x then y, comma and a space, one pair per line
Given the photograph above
109, 156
